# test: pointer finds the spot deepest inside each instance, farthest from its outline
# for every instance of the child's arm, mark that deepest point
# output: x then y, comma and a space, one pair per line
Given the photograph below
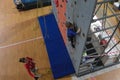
73, 32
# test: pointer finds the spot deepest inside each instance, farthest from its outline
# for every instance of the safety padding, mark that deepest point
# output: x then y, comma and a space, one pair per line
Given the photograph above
58, 55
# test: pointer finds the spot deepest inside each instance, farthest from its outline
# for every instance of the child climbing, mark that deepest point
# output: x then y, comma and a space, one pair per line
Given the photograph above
71, 33
30, 66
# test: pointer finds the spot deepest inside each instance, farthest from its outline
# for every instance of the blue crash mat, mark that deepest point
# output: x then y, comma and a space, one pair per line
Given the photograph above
58, 55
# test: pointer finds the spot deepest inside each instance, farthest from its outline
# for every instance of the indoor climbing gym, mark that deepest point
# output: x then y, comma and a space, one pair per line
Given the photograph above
59, 40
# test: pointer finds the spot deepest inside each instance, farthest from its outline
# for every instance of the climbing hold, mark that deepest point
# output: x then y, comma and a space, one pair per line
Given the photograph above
56, 3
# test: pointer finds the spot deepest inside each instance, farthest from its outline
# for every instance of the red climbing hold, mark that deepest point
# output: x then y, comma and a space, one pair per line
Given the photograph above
56, 3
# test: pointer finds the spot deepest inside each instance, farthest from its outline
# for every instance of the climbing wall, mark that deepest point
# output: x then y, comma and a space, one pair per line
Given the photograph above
81, 13
59, 10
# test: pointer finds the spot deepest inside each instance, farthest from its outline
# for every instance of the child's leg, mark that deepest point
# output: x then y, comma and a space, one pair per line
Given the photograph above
71, 39
72, 42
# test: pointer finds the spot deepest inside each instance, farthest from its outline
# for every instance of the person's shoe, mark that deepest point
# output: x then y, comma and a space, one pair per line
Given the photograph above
38, 75
36, 78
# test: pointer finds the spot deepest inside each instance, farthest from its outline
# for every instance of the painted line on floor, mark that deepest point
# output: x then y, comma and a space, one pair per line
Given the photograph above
21, 42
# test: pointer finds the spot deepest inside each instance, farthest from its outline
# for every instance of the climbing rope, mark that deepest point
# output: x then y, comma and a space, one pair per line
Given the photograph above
40, 4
